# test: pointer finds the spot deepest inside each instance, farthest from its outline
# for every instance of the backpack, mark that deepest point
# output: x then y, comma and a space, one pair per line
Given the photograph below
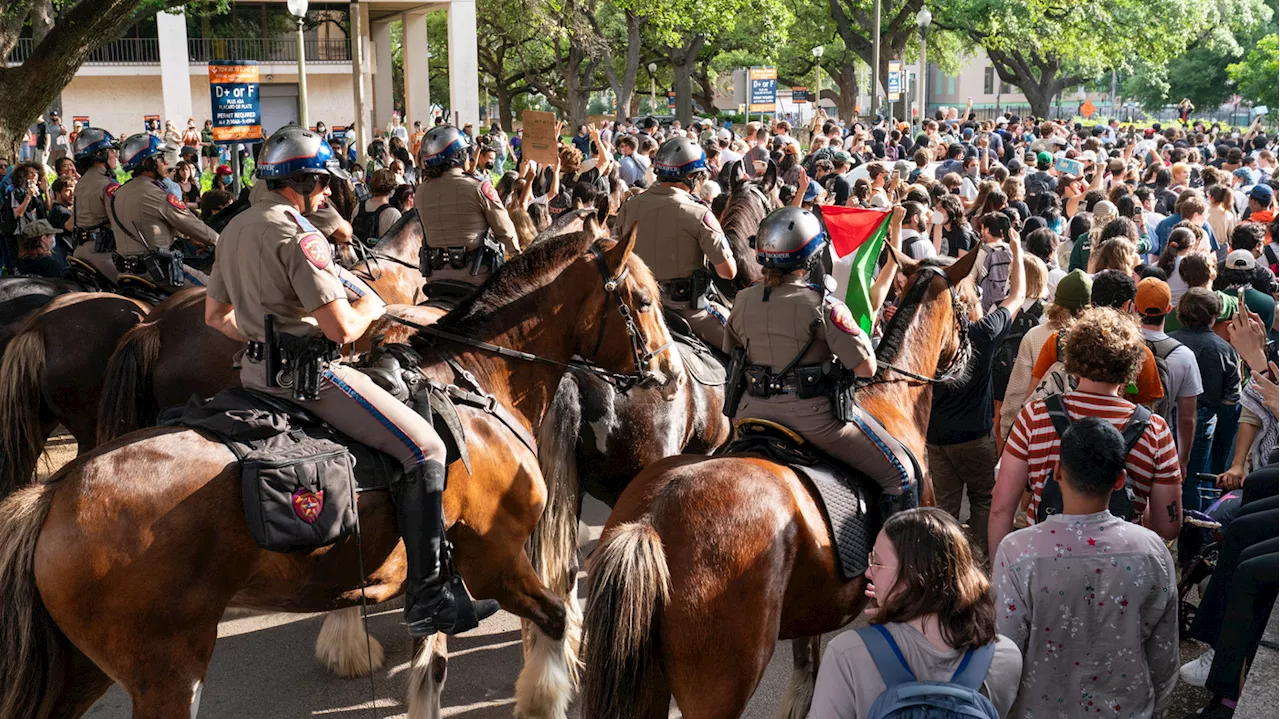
1166, 405
1056, 380
365, 224
1121, 502
906, 697
995, 275
1006, 353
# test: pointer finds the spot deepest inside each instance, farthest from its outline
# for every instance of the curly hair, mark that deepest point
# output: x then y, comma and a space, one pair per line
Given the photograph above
1104, 346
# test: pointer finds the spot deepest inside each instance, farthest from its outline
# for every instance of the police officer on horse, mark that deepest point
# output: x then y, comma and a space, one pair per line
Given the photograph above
146, 219
466, 228
273, 263
677, 236
785, 335
97, 155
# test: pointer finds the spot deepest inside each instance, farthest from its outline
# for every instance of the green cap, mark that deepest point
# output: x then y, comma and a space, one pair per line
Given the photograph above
1044, 158
1073, 291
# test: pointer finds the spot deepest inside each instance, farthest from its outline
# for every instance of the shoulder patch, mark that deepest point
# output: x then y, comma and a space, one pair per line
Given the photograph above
842, 318
112, 188
486, 189
316, 249
177, 204
300, 220
709, 219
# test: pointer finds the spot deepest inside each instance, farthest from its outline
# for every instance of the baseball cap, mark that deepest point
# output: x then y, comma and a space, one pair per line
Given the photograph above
1089, 155
223, 170
1240, 260
811, 193
1044, 158
902, 167
38, 228
1262, 194
1073, 291
1001, 121
1243, 174
966, 133
1015, 166
841, 158
1153, 298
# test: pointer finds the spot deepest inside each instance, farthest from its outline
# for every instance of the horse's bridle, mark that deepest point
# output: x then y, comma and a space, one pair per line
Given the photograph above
960, 360
639, 346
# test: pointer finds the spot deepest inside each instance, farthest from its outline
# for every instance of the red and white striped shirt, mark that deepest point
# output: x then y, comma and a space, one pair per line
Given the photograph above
1034, 440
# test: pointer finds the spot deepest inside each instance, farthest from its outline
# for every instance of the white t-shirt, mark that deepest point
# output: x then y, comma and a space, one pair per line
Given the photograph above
1184, 372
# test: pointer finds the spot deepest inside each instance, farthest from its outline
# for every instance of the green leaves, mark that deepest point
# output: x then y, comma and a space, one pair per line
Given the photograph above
1255, 77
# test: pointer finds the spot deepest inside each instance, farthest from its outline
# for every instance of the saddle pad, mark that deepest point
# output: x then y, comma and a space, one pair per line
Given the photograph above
702, 365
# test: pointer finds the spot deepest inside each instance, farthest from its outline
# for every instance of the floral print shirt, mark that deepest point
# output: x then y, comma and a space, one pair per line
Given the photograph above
1092, 602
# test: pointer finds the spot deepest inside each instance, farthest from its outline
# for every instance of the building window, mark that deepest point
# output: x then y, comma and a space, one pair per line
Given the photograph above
1006, 88
988, 80
951, 86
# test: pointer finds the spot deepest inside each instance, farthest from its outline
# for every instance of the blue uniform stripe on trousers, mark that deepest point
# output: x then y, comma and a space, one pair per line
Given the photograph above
384, 420
351, 286
187, 275
888, 453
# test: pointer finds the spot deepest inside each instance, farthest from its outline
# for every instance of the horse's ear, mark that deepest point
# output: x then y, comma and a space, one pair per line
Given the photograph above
590, 224
769, 180
733, 176
906, 265
621, 250
962, 267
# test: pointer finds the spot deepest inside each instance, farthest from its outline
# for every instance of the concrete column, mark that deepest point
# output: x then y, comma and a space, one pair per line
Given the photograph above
383, 98
175, 70
417, 82
359, 69
464, 66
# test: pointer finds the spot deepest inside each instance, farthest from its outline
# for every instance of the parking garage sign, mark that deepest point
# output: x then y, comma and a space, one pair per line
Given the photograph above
233, 93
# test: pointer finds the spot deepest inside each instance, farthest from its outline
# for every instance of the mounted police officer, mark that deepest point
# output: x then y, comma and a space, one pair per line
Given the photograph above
677, 236
96, 156
146, 219
274, 263
465, 225
786, 337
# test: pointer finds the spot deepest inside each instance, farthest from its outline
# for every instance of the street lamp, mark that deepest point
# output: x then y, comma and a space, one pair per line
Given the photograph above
817, 79
298, 9
653, 89
923, 18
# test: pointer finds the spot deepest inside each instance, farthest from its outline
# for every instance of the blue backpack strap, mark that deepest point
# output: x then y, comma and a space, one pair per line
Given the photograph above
887, 656
973, 668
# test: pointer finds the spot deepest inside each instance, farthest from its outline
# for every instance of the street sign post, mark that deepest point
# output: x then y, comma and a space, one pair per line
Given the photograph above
800, 95
233, 92
764, 90
895, 83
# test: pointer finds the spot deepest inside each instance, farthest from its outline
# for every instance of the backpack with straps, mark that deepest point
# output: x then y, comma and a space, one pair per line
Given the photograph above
365, 224
1122, 501
1006, 354
906, 697
1056, 380
1161, 349
995, 275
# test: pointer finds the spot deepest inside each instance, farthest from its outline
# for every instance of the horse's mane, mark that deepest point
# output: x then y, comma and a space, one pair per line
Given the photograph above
526, 272
556, 228
410, 215
895, 334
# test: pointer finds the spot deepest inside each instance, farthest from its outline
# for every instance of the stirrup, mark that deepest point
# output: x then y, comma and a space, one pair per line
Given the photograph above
467, 613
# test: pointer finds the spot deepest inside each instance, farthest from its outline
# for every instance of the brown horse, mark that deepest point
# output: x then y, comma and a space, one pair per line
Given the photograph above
90, 600
747, 203
706, 562
52, 373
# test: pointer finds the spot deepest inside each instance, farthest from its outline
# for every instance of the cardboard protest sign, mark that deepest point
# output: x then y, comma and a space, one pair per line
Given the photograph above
540, 142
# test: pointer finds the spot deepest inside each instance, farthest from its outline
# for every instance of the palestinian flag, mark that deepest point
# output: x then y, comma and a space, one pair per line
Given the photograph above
857, 237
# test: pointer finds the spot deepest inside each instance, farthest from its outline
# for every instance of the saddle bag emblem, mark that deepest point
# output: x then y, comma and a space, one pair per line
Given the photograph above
307, 504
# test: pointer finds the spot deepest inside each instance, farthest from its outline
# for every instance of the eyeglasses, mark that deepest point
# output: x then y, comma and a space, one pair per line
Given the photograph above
873, 563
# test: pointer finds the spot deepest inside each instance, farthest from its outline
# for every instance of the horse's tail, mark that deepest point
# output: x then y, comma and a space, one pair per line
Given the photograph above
128, 401
629, 588
32, 649
553, 546
22, 434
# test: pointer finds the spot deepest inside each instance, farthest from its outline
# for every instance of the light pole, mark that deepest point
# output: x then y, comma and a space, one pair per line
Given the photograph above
298, 9
817, 79
923, 18
653, 88
875, 58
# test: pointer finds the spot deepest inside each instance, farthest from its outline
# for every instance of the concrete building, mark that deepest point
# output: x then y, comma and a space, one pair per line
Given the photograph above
160, 68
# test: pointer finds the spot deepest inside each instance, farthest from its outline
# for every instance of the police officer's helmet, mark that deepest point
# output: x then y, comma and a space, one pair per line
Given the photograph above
293, 152
788, 239
679, 159
93, 142
443, 146
139, 148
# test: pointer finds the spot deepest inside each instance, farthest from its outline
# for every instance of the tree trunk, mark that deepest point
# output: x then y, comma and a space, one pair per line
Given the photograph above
505, 116
847, 99
1037, 77
682, 61
706, 92
624, 88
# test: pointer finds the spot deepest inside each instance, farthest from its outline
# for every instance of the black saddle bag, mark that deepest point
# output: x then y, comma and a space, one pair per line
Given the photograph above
300, 496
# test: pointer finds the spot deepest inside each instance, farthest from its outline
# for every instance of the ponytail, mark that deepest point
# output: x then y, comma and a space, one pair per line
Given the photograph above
1180, 239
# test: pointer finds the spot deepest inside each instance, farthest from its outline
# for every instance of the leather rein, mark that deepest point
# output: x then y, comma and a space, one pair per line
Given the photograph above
959, 361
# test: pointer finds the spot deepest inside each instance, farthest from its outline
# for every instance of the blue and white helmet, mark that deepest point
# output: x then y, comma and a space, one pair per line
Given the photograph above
442, 146
294, 151
788, 238
677, 159
93, 140
139, 148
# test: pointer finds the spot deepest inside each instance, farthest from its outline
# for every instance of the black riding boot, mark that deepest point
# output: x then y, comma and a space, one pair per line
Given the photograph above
435, 599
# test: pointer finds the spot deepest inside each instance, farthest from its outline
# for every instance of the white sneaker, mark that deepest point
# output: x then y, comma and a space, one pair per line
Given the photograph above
1196, 671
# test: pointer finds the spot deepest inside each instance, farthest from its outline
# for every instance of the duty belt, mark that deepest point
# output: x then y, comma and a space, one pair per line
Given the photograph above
103, 239
692, 289
804, 382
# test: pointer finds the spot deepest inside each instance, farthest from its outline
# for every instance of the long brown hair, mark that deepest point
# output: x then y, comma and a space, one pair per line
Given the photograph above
938, 573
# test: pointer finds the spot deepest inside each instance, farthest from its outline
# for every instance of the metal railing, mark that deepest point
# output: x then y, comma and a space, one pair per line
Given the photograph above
125, 51
284, 49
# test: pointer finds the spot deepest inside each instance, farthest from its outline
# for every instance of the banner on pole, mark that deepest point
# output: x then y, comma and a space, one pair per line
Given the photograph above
764, 89
233, 93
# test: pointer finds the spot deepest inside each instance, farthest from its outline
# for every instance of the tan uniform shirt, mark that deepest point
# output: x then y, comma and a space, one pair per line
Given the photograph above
91, 197
456, 209
326, 219
272, 260
142, 206
675, 232
258, 191
773, 331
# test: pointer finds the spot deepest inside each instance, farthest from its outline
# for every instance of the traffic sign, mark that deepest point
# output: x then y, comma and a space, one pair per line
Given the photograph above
671, 100
895, 77
800, 95
895, 96
1087, 109
764, 89
233, 92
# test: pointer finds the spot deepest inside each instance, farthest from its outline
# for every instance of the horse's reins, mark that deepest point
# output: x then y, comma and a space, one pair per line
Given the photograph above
959, 361
622, 382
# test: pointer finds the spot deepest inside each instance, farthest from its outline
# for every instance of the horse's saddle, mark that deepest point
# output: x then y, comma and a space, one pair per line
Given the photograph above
848, 498
704, 364
447, 294
86, 275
